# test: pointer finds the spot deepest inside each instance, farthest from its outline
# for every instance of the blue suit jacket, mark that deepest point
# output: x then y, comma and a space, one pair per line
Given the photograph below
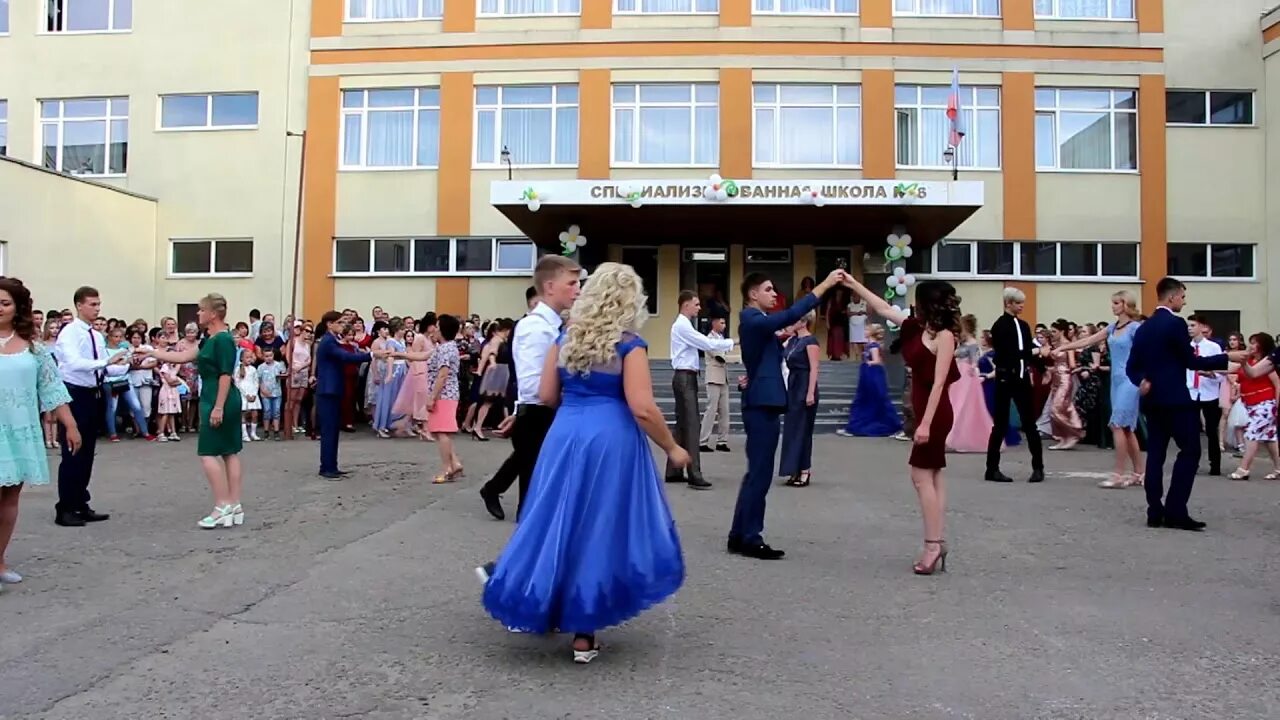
329, 361
1162, 355
762, 352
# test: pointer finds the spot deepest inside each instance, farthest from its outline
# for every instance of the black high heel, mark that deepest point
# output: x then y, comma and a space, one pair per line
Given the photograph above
939, 563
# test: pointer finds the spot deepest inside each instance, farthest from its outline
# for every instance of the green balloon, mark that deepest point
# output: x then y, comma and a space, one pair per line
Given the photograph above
890, 294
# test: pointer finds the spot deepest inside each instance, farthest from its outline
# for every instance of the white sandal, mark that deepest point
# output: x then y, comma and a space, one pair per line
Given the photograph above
220, 517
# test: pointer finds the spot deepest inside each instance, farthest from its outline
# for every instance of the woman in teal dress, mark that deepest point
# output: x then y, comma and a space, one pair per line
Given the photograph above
29, 386
220, 441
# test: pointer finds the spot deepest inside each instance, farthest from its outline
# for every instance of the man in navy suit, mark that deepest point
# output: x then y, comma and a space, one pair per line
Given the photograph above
764, 399
1158, 365
330, 379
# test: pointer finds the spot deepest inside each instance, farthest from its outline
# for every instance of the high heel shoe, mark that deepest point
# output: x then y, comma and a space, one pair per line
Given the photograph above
582, 657
220, 517
479, 436
939, 563
237, 514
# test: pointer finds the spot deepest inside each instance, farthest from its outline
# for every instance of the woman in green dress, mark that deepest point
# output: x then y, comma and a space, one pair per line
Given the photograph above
220, 441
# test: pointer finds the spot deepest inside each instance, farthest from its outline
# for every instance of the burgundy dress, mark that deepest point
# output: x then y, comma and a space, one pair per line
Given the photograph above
933, 454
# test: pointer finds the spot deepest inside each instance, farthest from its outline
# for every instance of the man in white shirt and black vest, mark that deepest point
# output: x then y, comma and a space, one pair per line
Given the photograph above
685, 344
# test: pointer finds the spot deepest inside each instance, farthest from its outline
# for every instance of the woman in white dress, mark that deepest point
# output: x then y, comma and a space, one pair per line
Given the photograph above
857, 326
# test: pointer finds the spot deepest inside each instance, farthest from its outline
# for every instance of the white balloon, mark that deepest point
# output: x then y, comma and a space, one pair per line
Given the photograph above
899, 272
715, 178
636, 203
534, 205
722, 194
581, 241
892, 239
905, 239
901, 290
564, 237
909, 279
819, 201
891, 281
907, 251
575, 230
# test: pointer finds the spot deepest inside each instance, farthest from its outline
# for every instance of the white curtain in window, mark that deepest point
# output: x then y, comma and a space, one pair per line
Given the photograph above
428, 137
806, 6
660, 6
352, 127
1044, 7
84, 150
527, 133
390, 138
849, 136
946, 7
624, 135
1083, 8
1122, 9
432, 8
807, 136
766, 137
486, 131
665, 136
395, 9
706, 151
530, 7
1084, 140
566, 136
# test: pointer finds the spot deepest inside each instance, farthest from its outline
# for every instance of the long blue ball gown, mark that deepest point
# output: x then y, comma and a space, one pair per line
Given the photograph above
596, 544
872, 414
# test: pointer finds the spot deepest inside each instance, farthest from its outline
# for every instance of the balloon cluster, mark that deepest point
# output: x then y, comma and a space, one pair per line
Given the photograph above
898, 283
571, 240
718, 189
533, 198
899, 247
632, 195
813, 197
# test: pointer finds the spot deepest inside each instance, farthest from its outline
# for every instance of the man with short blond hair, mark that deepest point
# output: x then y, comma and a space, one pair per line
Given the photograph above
1015, 353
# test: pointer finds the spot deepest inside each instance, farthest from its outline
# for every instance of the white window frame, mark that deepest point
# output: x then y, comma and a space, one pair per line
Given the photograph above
43, 19
972, 137
1057, 110
777, 105
1018, 274
915, 11
4, 9
4, 126
61, 120
494, 271
208, 113
775, 8
1210, 277
4, 257
347, 16
555, 105
692, 104
1055, 12
640, 6
1208, 112
502, 13
213, 257
363, 112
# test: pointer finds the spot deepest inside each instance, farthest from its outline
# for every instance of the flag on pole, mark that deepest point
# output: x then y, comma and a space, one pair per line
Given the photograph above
953, 110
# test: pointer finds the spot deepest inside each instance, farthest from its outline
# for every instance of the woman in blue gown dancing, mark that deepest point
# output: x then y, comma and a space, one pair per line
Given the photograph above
596, 544
872, 414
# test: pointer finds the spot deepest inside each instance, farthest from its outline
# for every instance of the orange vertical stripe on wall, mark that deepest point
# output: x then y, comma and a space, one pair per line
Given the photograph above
735, 123
326, 18
878, 161
735, 13
594, 111
1152, 165
877, 14
452, 296
1029, 309
597, 15
1150, 16
320, 195
1019, 14
459, 16
1018, 154
453, 189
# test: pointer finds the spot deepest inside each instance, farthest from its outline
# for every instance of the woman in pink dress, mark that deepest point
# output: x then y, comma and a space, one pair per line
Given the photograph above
972, 426
415, 394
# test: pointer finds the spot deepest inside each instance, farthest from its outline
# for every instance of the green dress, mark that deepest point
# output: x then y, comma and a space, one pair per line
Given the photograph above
217, 357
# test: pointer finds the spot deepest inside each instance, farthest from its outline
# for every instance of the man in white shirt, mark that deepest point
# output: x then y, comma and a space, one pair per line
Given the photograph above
685, 344
716, 417
1206, 387
557, 282
83, 362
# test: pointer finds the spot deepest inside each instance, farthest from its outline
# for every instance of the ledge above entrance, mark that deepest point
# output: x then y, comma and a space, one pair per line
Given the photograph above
755, 212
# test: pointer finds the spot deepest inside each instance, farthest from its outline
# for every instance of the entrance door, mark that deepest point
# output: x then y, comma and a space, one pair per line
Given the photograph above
706, 272
776, 263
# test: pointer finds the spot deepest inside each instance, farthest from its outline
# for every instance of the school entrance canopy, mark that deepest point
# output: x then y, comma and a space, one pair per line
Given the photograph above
758, 212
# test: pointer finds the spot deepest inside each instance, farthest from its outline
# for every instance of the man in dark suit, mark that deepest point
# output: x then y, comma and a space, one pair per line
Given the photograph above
1015, 354
330, 379
1158, 365
764, 399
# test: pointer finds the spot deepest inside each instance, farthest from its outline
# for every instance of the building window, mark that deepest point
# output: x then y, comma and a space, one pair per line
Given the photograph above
1208, 107
211, 257
808, 125
1085, 9
216, 110
1211, 260
666, 124
86, 16
518, 8
1086, 129
980, 8
807, 7
538, 124
924, 131
87, 136
433, 256
4, 127
4, 17
383, 10
392, 128
666, 7
1063, 260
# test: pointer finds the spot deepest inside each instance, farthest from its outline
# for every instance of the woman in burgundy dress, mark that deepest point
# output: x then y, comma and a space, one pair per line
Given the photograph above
928, 348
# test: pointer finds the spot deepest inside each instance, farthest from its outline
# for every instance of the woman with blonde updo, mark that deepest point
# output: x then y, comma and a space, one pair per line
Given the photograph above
596, 544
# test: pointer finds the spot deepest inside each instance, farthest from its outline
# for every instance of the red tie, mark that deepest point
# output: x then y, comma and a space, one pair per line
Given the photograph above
1195, 382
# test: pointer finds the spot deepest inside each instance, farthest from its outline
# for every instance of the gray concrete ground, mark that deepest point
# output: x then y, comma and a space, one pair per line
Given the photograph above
356, 599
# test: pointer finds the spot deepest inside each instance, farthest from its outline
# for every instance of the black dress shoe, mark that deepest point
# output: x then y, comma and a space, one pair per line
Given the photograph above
699, 484
723, 447
997, 476
675, 478
331, 475
493, 505
68, 519
706, 448
1036, 476
1155, 521
761, 552
344, 473
734, 545
1186, 523
88, 515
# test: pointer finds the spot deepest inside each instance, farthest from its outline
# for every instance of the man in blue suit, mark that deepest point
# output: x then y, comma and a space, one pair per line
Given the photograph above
1158, 365
764, 399
329, 361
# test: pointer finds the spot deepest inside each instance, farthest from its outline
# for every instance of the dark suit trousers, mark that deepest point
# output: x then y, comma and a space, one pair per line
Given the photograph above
1182, 425
1211, 411
688, 422
329, 418
762, 426
88, 407
1018, 392
532, 424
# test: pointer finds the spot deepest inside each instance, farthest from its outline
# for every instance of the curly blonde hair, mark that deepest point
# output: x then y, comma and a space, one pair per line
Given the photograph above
612, 303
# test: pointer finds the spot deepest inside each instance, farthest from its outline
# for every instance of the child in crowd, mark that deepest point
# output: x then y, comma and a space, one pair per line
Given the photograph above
249, 386
269, 391
142, 371
169, 399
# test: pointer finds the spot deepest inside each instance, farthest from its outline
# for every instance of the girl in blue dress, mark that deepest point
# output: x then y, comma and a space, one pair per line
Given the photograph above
872, 413
987, 369
596, 544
